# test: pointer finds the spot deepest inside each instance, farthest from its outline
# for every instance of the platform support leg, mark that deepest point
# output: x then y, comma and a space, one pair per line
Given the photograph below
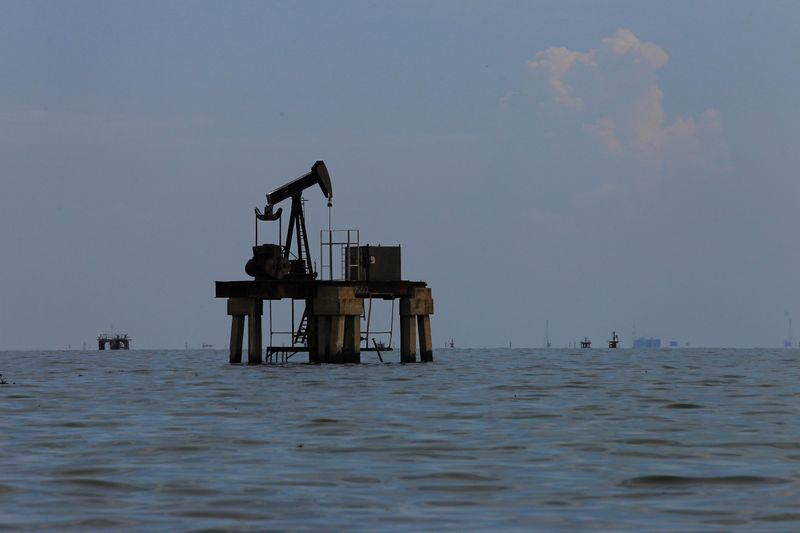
352, 339
238, 309
323, 334
254, 339
336, 314
419, 305
425, 342
336, 339
237, 336
311, 336
408, 340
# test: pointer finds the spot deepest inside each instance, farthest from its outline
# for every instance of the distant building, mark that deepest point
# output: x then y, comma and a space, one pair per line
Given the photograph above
641, 342
673, 344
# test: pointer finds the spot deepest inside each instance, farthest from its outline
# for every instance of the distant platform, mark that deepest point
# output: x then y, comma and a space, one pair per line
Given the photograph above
114, 342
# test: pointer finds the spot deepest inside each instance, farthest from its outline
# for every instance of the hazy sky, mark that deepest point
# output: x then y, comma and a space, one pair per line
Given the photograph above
586, 163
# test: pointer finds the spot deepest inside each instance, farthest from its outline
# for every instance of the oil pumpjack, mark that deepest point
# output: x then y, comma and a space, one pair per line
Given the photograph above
330, 327
271, 261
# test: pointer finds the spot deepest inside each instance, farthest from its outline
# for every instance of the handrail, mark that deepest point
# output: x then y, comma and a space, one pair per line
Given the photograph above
351, 239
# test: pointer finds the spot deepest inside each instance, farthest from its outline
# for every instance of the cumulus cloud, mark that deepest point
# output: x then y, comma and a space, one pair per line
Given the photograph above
603, 130
559, 61
624, 42
614, 90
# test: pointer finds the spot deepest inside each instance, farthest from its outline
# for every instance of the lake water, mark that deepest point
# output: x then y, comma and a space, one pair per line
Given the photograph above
700, 440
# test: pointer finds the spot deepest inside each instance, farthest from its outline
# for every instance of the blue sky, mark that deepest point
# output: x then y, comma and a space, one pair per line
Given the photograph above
590, 164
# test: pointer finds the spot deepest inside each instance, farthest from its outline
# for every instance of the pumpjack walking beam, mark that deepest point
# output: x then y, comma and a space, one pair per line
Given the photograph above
318, 176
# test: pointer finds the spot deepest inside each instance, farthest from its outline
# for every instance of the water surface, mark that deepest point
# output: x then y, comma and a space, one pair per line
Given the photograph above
700, 440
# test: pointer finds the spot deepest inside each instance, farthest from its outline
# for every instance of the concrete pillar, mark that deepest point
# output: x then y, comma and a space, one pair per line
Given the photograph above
237, 336
352, 339
336, 339
254, 339
425, 342
336, 311
311, 338
252, 308
408, 339
323, 336
420, 305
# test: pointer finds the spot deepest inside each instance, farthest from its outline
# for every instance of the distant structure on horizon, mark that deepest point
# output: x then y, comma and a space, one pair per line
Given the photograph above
642, 342
614, 342
546, 333
115, 342
789, 342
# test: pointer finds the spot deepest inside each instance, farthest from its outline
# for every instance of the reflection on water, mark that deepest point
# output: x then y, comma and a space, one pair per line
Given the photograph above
480, 439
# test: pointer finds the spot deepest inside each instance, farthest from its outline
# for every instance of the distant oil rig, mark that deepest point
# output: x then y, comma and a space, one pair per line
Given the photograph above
789, 342
114, 341
336, 321
614, 342
586, 343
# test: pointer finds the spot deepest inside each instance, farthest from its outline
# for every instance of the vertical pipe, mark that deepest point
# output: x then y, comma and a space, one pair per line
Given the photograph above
369, 316
270, 327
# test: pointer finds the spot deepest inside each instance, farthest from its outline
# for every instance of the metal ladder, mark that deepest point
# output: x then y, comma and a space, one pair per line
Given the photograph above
301, 335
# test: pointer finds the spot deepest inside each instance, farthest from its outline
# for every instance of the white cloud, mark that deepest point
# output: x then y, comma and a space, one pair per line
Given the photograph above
604, 132
625, 43
558, 61
614, 90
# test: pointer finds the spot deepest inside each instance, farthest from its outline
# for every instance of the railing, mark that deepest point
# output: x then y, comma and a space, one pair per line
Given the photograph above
345, 240
365, 334
114, 336
350, 266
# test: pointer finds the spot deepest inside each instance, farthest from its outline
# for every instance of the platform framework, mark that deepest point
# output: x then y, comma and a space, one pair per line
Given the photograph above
333, 332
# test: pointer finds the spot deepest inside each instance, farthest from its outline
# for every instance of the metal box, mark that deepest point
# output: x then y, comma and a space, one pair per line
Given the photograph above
373, 263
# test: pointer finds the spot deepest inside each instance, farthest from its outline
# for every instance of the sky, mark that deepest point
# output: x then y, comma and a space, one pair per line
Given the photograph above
589, 164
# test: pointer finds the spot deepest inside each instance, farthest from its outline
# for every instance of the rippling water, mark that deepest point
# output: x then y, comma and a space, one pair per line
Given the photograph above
480, 439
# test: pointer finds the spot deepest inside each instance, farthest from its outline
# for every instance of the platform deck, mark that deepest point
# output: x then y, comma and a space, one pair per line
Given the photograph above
305, 289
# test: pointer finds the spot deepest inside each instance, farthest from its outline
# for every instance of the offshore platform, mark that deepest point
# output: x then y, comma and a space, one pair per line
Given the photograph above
115, 342
335, 323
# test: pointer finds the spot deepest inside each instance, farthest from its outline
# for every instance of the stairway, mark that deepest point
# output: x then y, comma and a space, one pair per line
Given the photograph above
301, 335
